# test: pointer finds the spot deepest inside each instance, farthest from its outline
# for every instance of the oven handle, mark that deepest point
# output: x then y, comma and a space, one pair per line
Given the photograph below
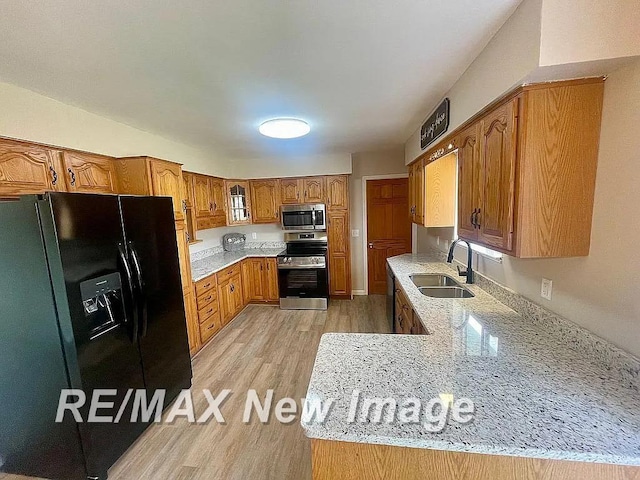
289, 267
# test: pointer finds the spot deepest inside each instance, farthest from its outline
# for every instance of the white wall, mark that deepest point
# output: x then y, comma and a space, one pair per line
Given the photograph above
365, 164
508, 58
269, 167
598, 292
29, 116
587, 30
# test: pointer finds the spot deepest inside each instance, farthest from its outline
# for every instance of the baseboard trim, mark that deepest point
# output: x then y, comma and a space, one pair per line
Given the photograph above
359, 292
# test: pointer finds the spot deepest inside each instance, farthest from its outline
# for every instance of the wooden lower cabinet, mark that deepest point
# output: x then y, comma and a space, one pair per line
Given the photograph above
231, 297
260, 280
406, 320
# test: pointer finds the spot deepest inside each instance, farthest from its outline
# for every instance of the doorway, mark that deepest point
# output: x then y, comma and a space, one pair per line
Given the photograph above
388, 228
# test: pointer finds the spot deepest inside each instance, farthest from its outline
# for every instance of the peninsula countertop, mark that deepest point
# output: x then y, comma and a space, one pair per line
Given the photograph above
211, 264
534, 395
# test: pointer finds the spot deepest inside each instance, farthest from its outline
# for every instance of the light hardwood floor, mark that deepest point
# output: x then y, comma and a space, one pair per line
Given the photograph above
263, 348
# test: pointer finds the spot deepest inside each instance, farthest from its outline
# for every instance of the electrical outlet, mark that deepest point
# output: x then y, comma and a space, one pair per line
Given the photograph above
355, 233
546, 288
254, 235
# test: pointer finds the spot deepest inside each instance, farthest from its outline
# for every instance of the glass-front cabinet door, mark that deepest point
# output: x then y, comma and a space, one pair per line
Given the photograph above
239, 211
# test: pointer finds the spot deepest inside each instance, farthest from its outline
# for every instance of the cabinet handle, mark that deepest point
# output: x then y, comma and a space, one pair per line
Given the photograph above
73, 177
184, 205
211, 326
54, 175
215, 206
477, 222
210, 206
472, 218
232, 288
188, 237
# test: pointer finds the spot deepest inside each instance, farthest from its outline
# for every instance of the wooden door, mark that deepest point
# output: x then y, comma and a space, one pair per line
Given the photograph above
412, 196
183, 255
193, 326
87, 173
337, 192
339, 253
265, 200
271, 282
238, 202
313, 189
388, 228
468, 172
166, 178
226, 301
440, 192
419, 193
253, 280
28, 169
497, 177
218, 202
202, 196
290, 189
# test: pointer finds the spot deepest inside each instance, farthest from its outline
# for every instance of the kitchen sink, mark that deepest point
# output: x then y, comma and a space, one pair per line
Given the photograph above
446, 292
433, 280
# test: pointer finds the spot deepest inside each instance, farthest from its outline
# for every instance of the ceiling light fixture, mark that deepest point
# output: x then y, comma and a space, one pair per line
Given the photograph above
284, 128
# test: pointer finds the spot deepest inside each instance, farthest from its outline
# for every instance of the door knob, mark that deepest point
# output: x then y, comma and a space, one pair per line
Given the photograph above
370, 245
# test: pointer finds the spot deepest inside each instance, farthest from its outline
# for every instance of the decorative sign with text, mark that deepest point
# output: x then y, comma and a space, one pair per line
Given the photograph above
435, 125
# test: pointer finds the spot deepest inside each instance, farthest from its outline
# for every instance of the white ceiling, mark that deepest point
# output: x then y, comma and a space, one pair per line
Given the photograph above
363, 73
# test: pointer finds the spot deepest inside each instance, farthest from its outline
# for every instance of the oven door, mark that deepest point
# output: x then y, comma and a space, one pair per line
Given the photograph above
303, 288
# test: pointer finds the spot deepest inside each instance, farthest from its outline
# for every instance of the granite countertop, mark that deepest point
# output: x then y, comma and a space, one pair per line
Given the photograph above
211, 264
535, 394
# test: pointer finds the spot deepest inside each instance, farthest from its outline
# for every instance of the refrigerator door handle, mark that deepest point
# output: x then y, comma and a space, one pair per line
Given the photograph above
127, 271
143, 298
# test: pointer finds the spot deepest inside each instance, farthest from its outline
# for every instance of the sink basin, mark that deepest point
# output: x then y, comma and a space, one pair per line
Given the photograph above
433, 280
446, 292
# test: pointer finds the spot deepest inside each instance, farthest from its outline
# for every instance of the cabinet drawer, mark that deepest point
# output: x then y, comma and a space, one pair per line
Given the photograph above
207, 311
209, 328
205, 285
229, 272
210, 296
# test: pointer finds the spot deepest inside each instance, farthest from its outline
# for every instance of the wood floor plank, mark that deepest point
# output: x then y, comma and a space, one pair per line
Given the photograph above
263, 348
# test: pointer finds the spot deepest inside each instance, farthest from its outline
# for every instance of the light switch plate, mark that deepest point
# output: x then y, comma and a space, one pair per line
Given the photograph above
254, 235
546, 288
355, 233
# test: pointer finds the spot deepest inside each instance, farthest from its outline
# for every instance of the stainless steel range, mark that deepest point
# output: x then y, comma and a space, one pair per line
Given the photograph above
302, 272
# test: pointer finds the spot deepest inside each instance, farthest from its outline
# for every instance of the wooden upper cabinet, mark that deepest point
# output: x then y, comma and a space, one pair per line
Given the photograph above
468, 171
265, 201
218, 199
88, 173
209, 202
238, 202
494, 220
187, 188
28, 169
440, 192
527, 170
167, 181
337, 192
290, 190
313, 189
202, 196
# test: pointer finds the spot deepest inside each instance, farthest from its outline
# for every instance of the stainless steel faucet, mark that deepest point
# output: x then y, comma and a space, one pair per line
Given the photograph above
469, 271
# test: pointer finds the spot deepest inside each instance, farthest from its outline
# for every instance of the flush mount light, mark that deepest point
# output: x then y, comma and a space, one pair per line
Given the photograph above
284, 128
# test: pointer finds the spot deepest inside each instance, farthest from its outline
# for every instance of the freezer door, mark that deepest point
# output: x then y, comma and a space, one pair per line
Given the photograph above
86, 245
32, 370
151, 240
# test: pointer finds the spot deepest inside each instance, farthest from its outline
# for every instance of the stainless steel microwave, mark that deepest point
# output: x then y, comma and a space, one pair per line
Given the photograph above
304, 217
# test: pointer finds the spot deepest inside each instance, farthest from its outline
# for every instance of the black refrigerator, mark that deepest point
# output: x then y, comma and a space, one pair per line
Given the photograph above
90, 298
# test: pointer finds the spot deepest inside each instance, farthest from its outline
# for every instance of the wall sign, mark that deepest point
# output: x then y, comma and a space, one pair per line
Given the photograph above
435, 125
